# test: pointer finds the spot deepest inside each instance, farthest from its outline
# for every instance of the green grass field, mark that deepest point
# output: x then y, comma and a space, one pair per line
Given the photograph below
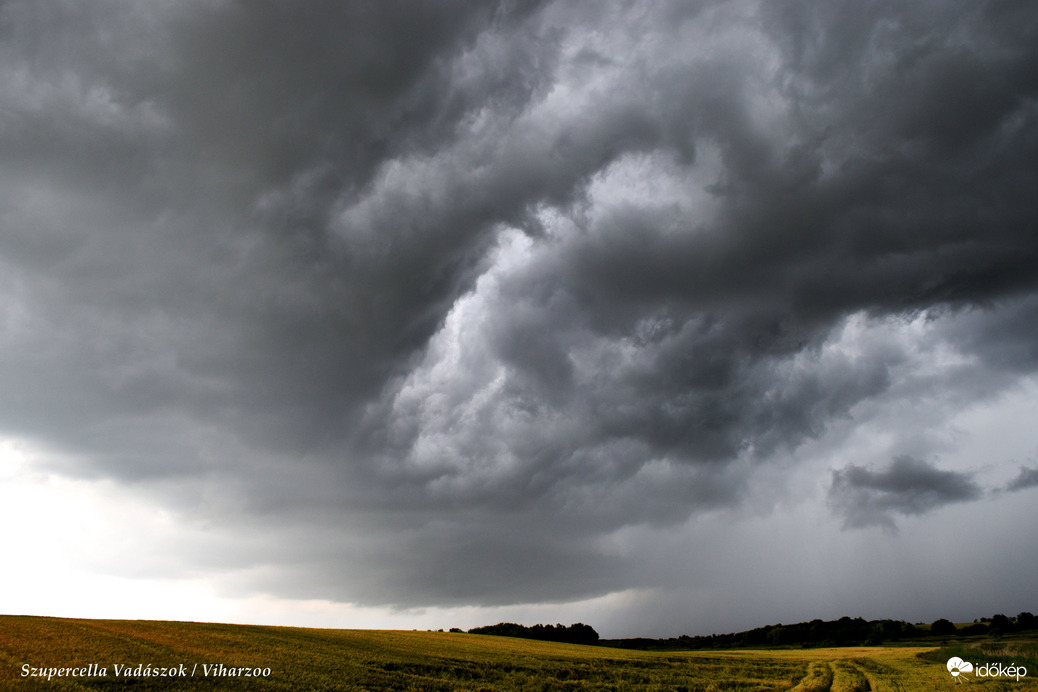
319, 659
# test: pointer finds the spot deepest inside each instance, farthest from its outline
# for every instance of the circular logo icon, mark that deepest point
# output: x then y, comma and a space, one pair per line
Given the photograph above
956, 666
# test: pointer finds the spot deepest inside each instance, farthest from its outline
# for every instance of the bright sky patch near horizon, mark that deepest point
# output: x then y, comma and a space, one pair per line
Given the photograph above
669, 317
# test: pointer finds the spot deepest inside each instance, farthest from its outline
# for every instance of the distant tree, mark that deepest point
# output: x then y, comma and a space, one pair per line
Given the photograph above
778, 635
1026, 621
579, 633
877, 631
908, 630
942, 627
1002, 623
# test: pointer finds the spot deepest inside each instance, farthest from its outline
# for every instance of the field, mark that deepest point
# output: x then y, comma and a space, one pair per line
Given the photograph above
316, 659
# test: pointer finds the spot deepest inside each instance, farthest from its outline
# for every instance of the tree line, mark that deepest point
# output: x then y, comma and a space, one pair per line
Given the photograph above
577, 633
821, 633
843, 632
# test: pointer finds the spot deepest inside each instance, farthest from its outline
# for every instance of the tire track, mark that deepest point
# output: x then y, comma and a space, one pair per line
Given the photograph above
819, 678
849, 677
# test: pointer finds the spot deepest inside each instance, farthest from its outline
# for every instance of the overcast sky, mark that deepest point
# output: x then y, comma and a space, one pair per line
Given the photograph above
667, 317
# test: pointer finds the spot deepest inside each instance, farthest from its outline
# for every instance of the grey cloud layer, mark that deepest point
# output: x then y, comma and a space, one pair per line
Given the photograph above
428, 273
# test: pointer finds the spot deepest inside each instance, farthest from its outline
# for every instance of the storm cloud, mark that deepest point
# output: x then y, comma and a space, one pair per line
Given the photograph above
433, 302
908, 486
1028, 478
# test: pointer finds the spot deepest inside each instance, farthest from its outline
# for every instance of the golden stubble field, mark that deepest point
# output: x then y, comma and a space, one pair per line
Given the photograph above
72, 654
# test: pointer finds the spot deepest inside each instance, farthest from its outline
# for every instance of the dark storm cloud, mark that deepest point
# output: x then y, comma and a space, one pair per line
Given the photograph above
867, 497
220, 259
431, 273
1028, 478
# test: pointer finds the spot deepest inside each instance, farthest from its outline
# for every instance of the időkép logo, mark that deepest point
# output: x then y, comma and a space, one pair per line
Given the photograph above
959, 668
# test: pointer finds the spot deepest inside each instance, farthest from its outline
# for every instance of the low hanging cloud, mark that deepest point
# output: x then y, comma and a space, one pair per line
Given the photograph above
866, 497
377, 285
1028, 478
